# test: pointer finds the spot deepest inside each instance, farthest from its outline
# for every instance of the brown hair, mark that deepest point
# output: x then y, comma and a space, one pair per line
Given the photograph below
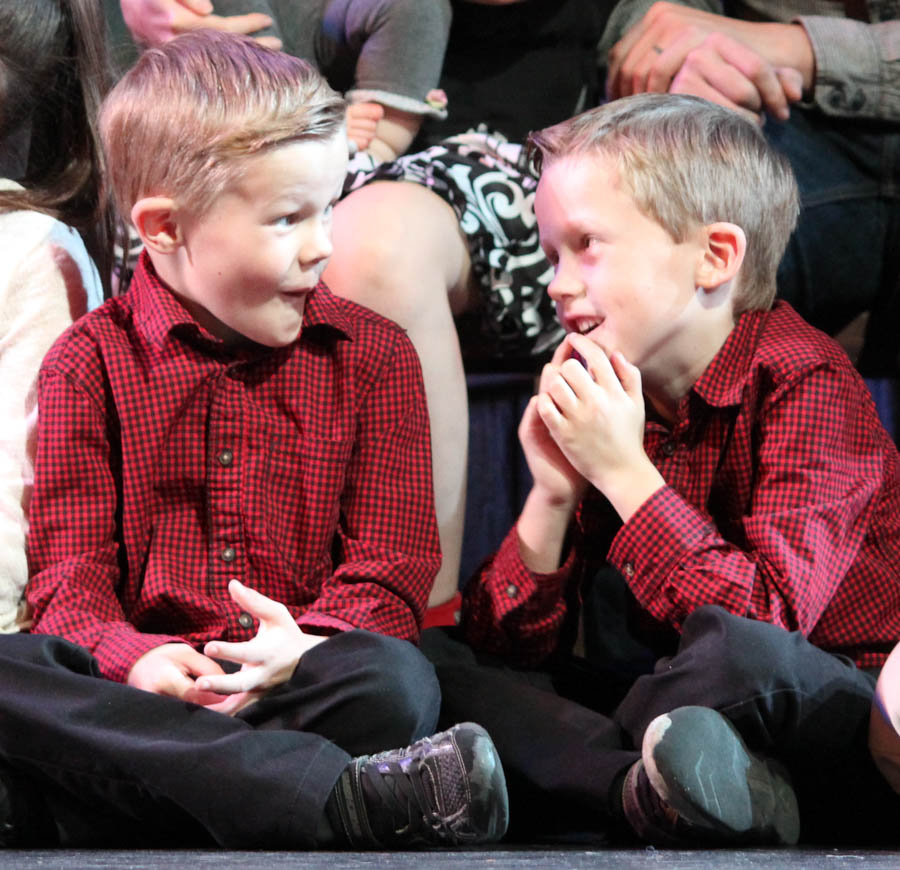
179, 119
688, 162
53, 74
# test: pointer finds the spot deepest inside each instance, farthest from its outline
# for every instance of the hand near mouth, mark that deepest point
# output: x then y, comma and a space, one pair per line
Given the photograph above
593, 409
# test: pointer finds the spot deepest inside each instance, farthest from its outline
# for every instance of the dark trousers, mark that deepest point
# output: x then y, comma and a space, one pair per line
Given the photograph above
565, 761
116, 765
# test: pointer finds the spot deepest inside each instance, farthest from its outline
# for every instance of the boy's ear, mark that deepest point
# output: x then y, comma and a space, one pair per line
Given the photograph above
156, 221
726, 245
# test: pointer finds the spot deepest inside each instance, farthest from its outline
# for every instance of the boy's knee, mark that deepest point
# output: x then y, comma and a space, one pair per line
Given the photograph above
400, 684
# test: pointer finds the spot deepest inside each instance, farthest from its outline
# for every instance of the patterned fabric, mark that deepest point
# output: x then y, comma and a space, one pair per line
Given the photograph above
782, 504
486, 183
168, 464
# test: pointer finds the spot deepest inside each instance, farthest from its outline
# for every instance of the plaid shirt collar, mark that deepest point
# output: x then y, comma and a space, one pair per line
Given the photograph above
158, 314
722, 384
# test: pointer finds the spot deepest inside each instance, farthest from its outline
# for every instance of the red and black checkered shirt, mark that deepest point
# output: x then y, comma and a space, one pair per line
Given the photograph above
168, 464
782, 504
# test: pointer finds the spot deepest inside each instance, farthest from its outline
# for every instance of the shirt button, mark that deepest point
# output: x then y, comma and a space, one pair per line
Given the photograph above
668, 448
628, 569
245, 620
512, 591
228, 554
226, 457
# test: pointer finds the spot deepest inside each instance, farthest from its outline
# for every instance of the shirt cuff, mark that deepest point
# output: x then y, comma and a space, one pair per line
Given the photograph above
660, 535
122, 646
513, 582
848, 66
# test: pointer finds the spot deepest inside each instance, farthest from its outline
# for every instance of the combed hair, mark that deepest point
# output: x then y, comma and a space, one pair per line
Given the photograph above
179, 119
687, 162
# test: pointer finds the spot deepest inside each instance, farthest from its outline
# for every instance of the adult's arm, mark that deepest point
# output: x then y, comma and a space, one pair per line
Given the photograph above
849, 68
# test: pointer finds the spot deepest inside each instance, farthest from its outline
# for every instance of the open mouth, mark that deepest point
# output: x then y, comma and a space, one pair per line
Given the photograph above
584, 325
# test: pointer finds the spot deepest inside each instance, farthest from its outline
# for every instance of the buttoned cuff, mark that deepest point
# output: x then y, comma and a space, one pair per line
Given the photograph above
513, 584
848, 67
663, 532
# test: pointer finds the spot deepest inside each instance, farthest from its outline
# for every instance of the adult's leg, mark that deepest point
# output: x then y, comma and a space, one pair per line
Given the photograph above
788, 699
844, 257
119, 765
364, 692
398, 249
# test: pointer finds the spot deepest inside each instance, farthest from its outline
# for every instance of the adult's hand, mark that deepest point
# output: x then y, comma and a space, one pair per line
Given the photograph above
653, 51
727, 72
153, 22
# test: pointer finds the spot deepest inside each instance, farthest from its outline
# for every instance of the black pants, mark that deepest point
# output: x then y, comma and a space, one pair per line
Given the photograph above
565, 761
120, 766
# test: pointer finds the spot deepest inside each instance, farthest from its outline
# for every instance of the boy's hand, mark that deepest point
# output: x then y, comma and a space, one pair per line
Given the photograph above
171, 670
153, 22
595, 414
266, 661
559, 483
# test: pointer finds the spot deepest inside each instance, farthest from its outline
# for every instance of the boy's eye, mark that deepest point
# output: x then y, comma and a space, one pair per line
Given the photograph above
286, 220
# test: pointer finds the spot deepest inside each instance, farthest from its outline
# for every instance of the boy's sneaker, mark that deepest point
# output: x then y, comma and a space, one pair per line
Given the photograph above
698, 784
444, 790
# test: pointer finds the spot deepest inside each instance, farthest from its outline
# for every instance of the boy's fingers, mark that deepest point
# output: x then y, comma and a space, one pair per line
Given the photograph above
629, 376
256, 604
596, 360
242, 653
200, 664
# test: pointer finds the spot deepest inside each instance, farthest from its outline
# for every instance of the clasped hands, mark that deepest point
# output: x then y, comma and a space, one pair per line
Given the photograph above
586, 426
269, 659
751, 67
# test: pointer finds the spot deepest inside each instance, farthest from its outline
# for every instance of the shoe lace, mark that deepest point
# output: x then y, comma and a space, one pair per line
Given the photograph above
407, 787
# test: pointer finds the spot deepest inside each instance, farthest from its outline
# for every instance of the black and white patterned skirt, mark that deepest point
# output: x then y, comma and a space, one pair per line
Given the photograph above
490, 189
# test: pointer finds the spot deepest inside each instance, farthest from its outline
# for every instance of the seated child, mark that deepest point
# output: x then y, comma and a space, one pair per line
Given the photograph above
49, 204
715, 467
232, 533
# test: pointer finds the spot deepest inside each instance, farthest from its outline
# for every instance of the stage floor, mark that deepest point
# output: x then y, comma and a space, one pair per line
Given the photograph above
495, 859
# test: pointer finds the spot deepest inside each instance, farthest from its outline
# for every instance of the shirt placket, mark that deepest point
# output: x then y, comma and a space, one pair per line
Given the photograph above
225, 468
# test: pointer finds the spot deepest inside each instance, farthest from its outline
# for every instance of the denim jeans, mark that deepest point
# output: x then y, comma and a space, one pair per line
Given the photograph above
844, 257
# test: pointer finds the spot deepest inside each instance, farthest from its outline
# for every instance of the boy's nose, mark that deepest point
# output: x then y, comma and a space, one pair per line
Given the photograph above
317, 247
565, 284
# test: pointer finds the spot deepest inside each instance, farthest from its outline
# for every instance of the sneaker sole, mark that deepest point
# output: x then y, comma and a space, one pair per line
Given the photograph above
705, 772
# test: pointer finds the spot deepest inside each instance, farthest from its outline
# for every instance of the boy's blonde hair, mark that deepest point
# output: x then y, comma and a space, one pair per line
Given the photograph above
686, 163
181, 118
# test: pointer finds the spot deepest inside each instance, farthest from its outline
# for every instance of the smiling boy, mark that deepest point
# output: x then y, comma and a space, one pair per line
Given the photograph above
712, 489
232, 536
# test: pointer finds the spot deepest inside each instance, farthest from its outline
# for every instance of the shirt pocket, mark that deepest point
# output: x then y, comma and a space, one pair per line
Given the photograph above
304, 481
